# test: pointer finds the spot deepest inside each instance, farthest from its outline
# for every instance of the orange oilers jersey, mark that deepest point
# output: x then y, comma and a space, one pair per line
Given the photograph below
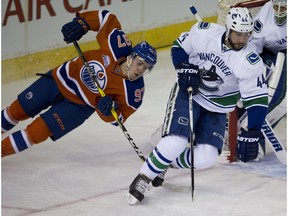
75, 83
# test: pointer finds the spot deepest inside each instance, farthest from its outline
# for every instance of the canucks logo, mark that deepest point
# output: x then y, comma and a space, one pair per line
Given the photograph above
210, 79
258, 26
98, 72
253, 58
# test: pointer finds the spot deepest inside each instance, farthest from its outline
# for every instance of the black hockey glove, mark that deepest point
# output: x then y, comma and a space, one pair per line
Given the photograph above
105, 105
188, 76
75, 29
247, 144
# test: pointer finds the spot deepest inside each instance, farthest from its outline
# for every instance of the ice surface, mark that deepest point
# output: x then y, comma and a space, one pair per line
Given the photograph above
88, 172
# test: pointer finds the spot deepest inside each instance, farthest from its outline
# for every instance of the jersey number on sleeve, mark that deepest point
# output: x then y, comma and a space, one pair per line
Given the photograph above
123, 41
261, 81
139, 94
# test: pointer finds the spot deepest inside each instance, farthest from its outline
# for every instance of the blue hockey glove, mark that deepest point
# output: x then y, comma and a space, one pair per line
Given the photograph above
105, 105
75, 29
247, 144
188, 76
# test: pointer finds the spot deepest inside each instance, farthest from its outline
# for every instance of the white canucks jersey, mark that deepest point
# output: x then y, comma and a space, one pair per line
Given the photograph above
266, 33
226, 73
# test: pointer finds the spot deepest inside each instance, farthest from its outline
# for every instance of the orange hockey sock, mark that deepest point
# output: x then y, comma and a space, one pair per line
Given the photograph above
6, 147
16, 111
11, 115
36, 132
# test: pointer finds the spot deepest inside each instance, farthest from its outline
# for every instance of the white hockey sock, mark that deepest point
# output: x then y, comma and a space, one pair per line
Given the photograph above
205, 156
163, 154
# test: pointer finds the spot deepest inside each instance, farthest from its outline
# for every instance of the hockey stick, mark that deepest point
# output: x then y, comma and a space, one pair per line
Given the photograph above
102, 93
180, 188
195, 13
274, 142
190, 91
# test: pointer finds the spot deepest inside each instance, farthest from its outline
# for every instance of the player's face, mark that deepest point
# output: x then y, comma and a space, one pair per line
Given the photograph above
238, 40
138, 68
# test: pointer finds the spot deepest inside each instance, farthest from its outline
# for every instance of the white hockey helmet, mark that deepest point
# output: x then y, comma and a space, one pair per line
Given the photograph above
280, 11
239, 19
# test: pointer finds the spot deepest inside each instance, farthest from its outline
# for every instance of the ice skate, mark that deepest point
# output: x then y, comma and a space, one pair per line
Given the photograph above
137, 189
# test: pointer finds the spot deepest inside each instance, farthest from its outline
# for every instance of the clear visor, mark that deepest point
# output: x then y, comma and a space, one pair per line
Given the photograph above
137, 67
147, 65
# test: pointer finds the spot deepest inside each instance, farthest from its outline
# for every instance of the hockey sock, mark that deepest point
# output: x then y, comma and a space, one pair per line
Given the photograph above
19, 141
7, 123
38, 131
17, 111
205, 155
15, 143
183, 161
163, 154
11, 116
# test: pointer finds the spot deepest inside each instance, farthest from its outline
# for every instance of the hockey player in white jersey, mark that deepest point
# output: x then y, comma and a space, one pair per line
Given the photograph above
221, 67
270, 37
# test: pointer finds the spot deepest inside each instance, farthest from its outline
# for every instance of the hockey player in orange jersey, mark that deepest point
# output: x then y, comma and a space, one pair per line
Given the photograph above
69, 91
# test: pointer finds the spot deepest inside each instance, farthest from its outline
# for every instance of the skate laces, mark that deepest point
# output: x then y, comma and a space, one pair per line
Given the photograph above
162, 174
141, 185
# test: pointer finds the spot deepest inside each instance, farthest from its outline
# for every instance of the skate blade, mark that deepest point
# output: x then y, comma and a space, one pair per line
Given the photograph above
131, 199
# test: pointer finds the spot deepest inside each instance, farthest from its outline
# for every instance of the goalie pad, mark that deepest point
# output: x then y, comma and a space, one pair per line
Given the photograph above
277, 86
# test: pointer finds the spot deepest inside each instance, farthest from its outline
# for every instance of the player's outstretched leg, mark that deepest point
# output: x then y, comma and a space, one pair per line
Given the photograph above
11, 115
21, 140
137, 189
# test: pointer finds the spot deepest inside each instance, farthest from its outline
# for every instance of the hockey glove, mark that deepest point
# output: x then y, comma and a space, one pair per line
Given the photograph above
247, 144
105, 105
188, 76
74, 30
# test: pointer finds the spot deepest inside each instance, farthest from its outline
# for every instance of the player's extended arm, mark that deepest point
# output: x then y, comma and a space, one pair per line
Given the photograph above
75, 29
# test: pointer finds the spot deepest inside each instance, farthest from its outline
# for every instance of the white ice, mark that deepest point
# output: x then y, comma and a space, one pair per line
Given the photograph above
88, 172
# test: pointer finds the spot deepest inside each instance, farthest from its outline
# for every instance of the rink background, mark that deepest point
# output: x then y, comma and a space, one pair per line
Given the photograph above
88, 171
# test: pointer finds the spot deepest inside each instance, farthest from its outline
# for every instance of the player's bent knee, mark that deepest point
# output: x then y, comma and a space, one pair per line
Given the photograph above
205, 156
17, 112
172, 146
38, 131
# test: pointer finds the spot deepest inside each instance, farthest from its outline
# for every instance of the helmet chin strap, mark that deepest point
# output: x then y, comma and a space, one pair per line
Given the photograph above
129, 62
228, 44
226, 40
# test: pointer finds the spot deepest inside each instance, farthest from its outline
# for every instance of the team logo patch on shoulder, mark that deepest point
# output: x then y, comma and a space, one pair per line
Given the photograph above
106, 60
203, 25
258, 26
253, 58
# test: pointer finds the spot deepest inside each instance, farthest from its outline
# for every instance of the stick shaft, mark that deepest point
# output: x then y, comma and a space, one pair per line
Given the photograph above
190, 91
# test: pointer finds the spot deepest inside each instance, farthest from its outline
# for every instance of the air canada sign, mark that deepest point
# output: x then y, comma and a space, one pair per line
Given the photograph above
35, 8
